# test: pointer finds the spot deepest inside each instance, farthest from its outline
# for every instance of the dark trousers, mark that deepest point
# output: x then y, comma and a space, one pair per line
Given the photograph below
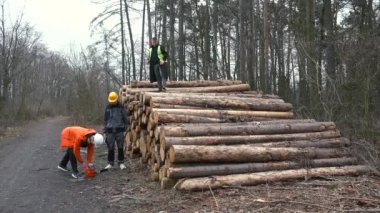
159, 71
69, 156
111, 138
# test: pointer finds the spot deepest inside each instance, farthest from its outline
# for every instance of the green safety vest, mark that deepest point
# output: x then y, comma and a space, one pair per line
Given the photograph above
159, 53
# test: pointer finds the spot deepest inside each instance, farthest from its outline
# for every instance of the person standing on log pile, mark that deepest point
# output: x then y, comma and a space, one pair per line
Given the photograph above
73, 138
157, 60
115, 124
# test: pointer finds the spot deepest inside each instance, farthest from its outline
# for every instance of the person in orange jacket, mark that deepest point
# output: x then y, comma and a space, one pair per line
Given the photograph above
73, 138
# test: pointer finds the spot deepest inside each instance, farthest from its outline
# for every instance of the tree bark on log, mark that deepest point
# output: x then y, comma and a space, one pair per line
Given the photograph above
164, 117
246, 139
249, 123
250, 179
258, 129
321, 143
174, 106
223, 114
246, 153
199, 83
179, 171
146, 96
160, 118
224, 103
214, 89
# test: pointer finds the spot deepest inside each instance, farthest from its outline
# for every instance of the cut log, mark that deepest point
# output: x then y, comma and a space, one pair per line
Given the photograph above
321, 143
249, 123
265, 177
173, 106
230, 88
170, 84
246, 153
160, 118
223, 89
245, 139
164, 117
179, 171
222, 114
148, 95
259, 129
224, 103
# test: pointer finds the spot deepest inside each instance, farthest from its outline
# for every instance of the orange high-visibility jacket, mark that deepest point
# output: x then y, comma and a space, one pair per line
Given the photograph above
73, 137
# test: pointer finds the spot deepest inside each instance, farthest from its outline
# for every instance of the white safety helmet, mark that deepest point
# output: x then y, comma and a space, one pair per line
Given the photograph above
98, 139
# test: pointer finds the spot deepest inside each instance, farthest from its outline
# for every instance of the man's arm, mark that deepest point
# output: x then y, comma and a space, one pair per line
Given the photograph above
125, 116
90, 152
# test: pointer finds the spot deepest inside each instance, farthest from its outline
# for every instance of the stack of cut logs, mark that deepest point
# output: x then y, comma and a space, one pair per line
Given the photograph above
211, 134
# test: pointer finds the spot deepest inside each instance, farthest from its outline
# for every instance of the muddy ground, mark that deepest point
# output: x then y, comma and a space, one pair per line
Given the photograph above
30, 182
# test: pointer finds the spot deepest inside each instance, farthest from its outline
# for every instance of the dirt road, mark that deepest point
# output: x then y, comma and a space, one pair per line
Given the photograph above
29, 179
30, 182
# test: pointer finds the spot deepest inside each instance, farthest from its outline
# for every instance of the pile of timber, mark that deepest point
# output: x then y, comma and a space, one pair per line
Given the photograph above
202, 134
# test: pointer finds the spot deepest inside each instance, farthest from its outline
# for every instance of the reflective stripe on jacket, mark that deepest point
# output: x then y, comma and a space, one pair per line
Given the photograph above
76, 137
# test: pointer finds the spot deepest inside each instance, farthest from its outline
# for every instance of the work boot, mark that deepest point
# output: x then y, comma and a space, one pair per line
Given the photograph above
164, 89
62, 168
109, 166
122, 166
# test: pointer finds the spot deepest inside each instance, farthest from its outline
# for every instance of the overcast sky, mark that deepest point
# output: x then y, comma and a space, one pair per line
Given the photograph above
61, 22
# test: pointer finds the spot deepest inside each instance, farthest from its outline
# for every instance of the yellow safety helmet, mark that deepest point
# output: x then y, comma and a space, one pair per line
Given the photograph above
112, 97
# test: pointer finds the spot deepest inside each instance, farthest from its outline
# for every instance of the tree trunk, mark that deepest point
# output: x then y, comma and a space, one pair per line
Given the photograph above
266, 47
172, 42
242, 40
247, 139
252, 96
130, 40
246, 153
322, 143
161, 118
265, 177
181, 41
217, 103
214, 67
122, 44
258, 129
207, 43
142, 44
314, 84
216, 89
149, 21
149, 98
232, 88
180, 171
232, 115
174, 106
330, 51
199, 83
